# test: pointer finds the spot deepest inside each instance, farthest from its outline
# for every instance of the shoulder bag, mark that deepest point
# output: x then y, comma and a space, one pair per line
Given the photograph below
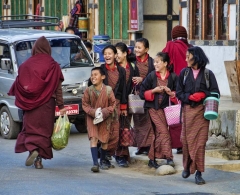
135, 103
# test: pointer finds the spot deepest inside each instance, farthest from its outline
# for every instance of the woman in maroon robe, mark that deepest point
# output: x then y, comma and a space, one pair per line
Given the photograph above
37, 90
176, 49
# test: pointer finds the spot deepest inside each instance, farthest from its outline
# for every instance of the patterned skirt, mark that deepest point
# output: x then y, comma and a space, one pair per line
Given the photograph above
161, 146
143, 129
194, 137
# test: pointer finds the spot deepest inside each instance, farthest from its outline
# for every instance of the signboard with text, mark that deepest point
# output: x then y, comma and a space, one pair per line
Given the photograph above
72, 109
136, 15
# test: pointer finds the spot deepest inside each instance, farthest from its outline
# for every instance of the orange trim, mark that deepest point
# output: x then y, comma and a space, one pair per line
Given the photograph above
159, 76
123, 106
144, 60
109, 68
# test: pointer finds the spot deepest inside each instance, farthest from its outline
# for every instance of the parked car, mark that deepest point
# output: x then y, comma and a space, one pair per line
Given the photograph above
73, 58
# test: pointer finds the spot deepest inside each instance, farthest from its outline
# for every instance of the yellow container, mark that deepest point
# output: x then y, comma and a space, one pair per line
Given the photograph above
82, 23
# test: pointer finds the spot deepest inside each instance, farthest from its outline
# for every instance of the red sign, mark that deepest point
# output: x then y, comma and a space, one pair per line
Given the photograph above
134, 15
72, 109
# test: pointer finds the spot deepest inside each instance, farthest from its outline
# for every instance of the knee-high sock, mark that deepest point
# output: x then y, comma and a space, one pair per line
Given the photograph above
103, 154
94, 151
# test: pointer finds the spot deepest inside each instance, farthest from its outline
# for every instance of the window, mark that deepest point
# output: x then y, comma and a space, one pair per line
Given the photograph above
209, 22
195, 19
222, 20
208, 19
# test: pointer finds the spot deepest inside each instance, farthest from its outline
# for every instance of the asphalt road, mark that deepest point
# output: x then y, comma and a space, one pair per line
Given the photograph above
69, 173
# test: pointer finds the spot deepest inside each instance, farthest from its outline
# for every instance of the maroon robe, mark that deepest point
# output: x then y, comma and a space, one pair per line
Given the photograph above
35, 89
177, 50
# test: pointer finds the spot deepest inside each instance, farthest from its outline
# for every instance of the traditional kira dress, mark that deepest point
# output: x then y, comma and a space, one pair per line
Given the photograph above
116, 78
142, 122
161, 144
194, 126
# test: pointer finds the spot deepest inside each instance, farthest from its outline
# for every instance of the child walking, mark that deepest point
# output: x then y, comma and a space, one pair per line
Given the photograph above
99, 104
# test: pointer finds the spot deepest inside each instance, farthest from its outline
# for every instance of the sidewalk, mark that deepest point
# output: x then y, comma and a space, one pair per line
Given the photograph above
213, 158
210, 162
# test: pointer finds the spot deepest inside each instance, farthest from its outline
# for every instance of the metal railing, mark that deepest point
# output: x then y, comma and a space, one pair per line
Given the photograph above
26, 20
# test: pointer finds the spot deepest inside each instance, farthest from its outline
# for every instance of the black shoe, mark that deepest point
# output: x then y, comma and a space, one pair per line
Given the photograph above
103, 165
185, 174
153, 163
199, 180
121, 161
170, 162
179, 151
95, 168
108, 163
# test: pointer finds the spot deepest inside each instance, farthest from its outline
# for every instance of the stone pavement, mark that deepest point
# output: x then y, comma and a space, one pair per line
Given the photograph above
210, 162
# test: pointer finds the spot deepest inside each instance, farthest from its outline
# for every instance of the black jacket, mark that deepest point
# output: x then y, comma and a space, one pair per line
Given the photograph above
120, 89
150, 82
134, 72
191, 86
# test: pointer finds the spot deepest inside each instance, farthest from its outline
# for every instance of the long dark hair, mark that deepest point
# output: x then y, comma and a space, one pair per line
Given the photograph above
199, 57
165, 58
123, 47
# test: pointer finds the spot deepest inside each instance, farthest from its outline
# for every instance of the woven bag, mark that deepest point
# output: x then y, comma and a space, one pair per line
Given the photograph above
127, 134
172, 113
135, 104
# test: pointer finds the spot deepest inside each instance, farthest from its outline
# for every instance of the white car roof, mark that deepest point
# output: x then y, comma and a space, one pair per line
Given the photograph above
15, 34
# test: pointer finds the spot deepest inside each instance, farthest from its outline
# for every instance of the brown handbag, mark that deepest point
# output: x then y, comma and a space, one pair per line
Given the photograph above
127, 133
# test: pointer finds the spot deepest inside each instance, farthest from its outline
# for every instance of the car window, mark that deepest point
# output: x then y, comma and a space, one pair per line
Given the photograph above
69, 53
4, 52
23, 52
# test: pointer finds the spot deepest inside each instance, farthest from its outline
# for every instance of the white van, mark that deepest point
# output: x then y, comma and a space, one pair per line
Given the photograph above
67, 49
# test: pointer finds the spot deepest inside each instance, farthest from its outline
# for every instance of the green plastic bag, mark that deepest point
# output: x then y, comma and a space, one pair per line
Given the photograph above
61, 133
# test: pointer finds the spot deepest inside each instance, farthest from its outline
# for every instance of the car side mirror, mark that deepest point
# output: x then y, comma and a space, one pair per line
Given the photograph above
5, 64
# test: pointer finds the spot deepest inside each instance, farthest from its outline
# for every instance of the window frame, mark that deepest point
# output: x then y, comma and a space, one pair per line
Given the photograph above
217, 20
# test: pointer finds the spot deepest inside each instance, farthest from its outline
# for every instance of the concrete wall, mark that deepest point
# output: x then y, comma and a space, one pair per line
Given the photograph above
217, 55
156, 31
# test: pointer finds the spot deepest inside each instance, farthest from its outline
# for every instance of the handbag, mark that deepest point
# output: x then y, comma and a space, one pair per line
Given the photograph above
127, 134
135, 103
172, 113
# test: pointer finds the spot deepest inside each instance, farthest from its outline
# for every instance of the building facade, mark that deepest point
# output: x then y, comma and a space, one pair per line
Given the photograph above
214, 26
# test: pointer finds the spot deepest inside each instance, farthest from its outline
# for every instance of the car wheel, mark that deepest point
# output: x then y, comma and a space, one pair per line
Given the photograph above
81, 126
9, 128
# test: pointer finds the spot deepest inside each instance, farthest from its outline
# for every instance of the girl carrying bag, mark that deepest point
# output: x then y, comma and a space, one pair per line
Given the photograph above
172, 113
135, 103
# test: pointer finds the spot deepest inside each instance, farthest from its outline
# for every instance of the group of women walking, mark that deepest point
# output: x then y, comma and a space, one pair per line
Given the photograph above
159, 81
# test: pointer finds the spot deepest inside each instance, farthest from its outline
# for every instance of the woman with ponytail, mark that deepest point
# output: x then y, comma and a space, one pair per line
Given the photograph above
156, 89
125, 59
